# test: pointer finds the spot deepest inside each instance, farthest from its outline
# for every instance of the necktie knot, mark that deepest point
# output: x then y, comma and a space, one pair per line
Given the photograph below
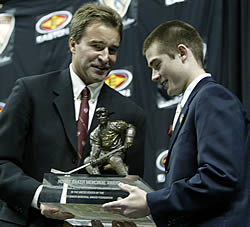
85, 93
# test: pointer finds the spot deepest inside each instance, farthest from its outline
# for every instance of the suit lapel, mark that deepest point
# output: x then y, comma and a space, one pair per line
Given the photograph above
183, 115
178, 125
64, 102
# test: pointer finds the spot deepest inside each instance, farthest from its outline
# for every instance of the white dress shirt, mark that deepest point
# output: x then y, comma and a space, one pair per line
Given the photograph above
185, 96
191, 87
78, 86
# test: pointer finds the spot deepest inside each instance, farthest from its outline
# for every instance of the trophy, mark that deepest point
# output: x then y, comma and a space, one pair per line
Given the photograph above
83, 194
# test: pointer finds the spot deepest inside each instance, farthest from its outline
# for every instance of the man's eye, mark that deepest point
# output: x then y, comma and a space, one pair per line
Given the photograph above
97, 47
158, 66
112, 50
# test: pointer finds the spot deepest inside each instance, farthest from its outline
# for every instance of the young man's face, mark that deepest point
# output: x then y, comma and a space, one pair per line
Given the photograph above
96, 53
169, 72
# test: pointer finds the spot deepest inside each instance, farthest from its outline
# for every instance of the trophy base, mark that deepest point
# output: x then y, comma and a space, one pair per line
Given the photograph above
83, 196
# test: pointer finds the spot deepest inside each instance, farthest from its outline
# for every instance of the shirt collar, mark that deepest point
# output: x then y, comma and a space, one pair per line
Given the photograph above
79, 85
191, 86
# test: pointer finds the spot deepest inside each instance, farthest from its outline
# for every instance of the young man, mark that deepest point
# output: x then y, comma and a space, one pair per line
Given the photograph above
207, 175
39, 122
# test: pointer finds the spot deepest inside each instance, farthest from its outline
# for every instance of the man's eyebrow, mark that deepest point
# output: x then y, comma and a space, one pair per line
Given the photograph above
116, 46
96, 41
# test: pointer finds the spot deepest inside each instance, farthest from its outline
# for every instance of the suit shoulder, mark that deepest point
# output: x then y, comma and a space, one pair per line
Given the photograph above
217, 94
218, 89
43, 82
40, 77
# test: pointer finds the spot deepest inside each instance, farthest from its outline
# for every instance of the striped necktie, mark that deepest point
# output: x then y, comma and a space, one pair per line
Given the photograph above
82, 124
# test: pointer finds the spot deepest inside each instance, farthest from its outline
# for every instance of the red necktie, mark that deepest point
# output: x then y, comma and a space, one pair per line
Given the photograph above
82, 124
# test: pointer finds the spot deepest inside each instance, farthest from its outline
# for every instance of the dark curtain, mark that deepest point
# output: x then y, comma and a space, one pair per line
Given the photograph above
245, 53
223, 25
235, 49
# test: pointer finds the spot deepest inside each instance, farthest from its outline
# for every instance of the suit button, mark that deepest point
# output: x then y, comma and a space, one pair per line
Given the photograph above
74, 160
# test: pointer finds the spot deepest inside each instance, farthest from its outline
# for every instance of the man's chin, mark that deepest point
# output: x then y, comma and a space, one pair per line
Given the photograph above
98, 79
170, 93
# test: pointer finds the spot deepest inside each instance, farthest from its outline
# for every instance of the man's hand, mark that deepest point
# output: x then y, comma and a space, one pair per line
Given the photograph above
96, 223
133, 206
55, 213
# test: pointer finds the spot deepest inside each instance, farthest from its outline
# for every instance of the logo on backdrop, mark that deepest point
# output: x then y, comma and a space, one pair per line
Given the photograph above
126, 8
160, 165
163, 100
121, 6
120, 80
2, 104
53, 26
7, 24
161, 160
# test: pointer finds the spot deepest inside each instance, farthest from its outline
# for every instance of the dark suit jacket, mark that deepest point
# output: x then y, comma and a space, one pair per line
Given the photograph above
207, 170
38, 132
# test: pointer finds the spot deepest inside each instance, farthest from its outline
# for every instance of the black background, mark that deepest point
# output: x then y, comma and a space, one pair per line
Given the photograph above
223, 25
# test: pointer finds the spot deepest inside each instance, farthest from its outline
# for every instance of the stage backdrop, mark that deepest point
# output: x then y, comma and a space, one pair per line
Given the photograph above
34, 40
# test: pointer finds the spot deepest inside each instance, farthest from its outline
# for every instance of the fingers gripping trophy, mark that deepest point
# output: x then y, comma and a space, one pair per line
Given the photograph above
107, 144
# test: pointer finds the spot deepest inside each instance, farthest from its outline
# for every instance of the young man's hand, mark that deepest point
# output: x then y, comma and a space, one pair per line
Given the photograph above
133, 206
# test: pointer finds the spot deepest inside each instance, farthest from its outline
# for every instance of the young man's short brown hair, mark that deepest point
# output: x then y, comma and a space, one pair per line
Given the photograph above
172, 33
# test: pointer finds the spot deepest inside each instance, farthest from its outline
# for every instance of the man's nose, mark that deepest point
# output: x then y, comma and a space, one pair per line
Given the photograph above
104, 55
155, 75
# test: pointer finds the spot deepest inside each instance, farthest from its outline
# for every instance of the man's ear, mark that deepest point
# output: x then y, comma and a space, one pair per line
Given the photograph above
182, 50
72, 45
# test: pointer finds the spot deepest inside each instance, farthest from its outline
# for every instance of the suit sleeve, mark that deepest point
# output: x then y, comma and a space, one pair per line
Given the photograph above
219, 172
16, 188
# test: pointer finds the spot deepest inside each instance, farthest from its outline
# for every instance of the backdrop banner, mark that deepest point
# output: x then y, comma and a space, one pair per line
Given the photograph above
34, 40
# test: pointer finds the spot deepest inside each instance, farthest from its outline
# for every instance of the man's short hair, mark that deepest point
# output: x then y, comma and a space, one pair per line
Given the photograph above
172, 33
92, 13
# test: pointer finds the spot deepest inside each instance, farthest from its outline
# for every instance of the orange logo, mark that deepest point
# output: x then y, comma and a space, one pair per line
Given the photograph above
115, 80
53, 22
119, 79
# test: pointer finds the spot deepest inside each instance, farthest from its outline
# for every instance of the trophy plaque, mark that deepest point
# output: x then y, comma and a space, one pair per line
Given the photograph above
83, 196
